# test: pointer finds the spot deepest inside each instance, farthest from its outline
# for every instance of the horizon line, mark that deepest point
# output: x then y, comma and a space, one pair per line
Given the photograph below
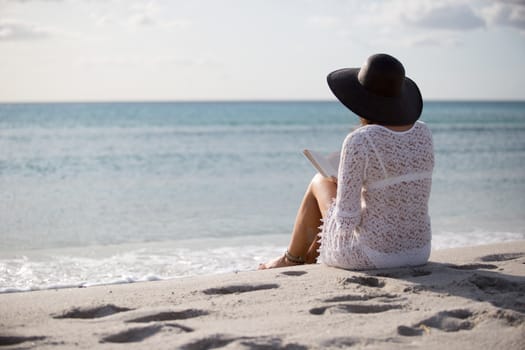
292, 100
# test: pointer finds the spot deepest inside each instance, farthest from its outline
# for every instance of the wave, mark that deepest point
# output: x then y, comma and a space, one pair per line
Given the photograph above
78, 268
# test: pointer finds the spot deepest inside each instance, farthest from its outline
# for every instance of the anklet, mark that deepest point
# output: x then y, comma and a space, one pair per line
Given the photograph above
293, 259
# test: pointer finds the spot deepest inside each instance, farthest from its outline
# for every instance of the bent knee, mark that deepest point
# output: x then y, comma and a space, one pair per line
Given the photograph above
320, 181
318, 178
322, 186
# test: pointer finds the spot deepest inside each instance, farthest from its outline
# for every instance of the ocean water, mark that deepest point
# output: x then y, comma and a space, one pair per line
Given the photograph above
96, 193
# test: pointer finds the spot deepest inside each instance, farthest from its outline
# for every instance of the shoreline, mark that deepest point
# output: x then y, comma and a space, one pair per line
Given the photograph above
101, 265
464, 298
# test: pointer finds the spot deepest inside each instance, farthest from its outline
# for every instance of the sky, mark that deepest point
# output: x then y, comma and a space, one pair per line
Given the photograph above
129, 50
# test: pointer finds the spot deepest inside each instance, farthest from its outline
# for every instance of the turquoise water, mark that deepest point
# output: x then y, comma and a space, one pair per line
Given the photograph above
159, 190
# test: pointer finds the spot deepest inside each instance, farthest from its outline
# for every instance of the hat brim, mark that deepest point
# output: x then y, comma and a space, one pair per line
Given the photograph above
400, 110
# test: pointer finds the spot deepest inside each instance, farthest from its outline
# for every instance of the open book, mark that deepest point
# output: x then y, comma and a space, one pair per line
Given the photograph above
327, 165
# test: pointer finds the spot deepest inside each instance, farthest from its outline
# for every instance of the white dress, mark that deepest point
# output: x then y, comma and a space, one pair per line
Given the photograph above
380, 215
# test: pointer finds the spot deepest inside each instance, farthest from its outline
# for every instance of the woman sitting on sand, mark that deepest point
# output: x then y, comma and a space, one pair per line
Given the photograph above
375, 215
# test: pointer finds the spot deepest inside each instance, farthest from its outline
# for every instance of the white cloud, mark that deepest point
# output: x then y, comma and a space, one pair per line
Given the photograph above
21, 30
144, 14
506, 14
141, 19
434, 40
109, 61
138, 16
24, 1
11, 29
413, 22
517, 2
143, 61
447, 16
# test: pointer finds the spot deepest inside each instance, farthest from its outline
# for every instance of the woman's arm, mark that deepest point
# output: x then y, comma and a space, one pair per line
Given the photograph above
351, 176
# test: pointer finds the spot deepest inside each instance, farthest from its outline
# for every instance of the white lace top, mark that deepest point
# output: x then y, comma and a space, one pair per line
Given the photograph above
380, 215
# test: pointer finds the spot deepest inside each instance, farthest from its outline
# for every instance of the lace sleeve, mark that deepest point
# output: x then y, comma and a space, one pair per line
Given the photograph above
346, 213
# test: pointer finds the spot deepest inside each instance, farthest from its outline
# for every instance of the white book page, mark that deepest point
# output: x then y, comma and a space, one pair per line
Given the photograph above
327, 165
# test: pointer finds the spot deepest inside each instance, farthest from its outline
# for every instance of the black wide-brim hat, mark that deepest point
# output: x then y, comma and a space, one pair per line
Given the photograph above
378, 91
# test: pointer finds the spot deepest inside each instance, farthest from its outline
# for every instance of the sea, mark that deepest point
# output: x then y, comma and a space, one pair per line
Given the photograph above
104, 193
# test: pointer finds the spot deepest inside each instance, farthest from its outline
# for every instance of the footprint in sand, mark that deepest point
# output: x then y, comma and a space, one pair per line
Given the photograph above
447, 321
92, 312
355, 308
239, 288
212, 342
511, 318
405, 273
7, 340
293, 273
138, 334
364, 281
410, 331
359, 297
501, 257
132, 335
170, 316
256, 343
340, 343
473, 267
496, 285
347, 342
270, 343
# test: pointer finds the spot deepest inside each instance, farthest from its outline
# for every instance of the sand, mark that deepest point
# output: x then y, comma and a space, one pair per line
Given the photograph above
465, 298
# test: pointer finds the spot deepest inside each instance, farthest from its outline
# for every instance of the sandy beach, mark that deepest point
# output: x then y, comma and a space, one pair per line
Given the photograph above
465, 298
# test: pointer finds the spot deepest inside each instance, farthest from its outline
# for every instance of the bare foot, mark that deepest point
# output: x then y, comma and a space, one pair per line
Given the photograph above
277, 262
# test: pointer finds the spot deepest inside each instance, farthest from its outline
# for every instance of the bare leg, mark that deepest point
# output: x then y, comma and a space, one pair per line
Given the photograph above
315, 204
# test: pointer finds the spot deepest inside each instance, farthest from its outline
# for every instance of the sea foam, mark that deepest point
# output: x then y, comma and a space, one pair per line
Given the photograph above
102, 265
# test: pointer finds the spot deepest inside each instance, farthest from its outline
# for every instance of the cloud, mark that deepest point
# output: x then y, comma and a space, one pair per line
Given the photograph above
20, 30
24, 1
11, 29
143, 14
446, 16
423, 23
139, 16
434, 40
517, 2
143, 61
506, 14
426, 15
413, 23
109, 61
141, 19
